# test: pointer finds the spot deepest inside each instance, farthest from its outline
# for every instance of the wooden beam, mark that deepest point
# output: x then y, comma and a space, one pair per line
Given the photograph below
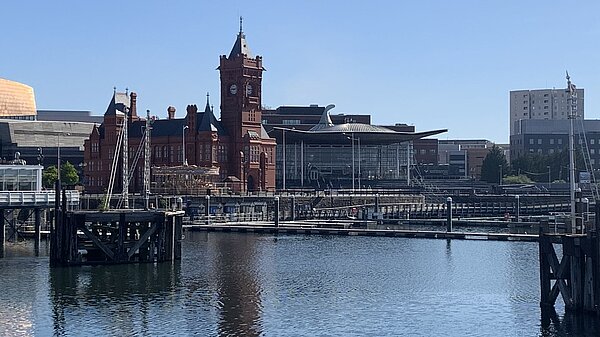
142, 239
97, 242
559, 270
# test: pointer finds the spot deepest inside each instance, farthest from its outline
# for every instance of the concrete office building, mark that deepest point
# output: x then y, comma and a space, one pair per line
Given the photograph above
549, 104
547, 137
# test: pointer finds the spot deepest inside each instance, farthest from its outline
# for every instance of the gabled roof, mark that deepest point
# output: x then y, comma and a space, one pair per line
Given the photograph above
118, 104
160, 128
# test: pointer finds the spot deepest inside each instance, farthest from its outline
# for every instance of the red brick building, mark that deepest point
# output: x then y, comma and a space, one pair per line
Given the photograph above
237, 144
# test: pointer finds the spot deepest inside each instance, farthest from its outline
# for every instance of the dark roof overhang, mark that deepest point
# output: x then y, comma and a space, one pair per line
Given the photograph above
344, 137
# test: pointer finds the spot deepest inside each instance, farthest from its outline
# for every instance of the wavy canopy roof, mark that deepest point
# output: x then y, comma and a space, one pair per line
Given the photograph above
343, 133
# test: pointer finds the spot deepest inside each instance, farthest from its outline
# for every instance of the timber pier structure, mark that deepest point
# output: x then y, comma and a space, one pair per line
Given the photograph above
117, 236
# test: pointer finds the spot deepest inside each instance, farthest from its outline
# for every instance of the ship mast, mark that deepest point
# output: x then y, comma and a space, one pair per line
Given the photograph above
147, 161
572, 114
125, 166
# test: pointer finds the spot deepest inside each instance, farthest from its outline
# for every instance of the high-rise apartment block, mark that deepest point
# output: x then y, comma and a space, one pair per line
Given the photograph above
542, 104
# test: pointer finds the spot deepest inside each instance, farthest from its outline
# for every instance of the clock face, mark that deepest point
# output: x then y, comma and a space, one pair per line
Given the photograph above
233, 89
248, 90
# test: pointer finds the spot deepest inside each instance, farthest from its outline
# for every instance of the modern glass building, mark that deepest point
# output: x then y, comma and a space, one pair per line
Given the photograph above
349, 155
21, 177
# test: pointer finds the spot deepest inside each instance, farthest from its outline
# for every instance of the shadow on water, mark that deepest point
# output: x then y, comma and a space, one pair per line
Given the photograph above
77, 292
571, 324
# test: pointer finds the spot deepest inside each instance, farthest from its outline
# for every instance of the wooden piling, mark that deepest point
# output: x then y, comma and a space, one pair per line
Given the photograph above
38, 237
276, 211
2, 233
545, 280
449, 214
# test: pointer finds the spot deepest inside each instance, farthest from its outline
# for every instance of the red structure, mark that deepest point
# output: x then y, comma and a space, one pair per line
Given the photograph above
237, 144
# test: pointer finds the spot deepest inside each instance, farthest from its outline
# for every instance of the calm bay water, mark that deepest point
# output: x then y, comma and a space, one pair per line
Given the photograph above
260, 285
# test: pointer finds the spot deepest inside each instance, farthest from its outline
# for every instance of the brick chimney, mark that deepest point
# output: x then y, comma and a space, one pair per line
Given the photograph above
133, 106
171, 112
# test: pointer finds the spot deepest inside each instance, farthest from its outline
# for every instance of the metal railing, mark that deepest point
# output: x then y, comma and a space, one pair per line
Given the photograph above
35, 198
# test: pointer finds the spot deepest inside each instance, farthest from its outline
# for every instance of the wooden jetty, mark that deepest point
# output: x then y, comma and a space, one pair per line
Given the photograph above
346, 231
118, 236
575, 275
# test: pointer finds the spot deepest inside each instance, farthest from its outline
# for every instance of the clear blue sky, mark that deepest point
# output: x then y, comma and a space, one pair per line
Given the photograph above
432, 64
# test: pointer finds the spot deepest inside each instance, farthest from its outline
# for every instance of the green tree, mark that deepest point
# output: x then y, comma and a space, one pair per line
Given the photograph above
49, 176
68, 175
493, 164
520, 179
544, 168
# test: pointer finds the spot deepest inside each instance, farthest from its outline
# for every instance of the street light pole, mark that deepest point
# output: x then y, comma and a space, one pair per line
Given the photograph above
359, 182
183, 141
500, 180
549, 179
353, 162
58, 161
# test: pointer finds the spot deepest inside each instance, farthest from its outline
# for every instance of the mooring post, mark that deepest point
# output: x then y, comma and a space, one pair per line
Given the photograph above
578, 211
585, 215
449, 214
545, 282
38, 236
518, 208
596, 226
276, 210
2, 232
293, 207
207, 209
596, 267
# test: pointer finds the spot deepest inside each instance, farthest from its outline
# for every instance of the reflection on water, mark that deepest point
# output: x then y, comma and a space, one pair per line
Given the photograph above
115, 298
238, 291
259, 285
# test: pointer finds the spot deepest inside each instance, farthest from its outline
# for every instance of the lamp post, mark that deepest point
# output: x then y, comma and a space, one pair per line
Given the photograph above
500, 178
58, 156
40, 156
183, 143
549, 179
352, 140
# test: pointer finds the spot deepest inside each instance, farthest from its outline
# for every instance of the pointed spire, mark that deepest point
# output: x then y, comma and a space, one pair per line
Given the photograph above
207, 108
240, 47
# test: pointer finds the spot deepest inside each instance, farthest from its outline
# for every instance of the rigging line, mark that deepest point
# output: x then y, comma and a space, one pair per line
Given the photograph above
533, 173
587, 159
114, 169
133, 166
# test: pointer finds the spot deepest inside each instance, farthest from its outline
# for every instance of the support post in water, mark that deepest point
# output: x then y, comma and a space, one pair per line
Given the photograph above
2, 231
578, 212
585, 216
517, 208
38, 236
207, 209
276, 211
449, 214
293, 207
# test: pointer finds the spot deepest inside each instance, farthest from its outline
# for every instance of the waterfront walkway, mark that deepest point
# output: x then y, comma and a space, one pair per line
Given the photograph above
316, 229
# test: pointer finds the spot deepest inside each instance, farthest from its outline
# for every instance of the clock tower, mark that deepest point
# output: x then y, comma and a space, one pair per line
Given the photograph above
241, 90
